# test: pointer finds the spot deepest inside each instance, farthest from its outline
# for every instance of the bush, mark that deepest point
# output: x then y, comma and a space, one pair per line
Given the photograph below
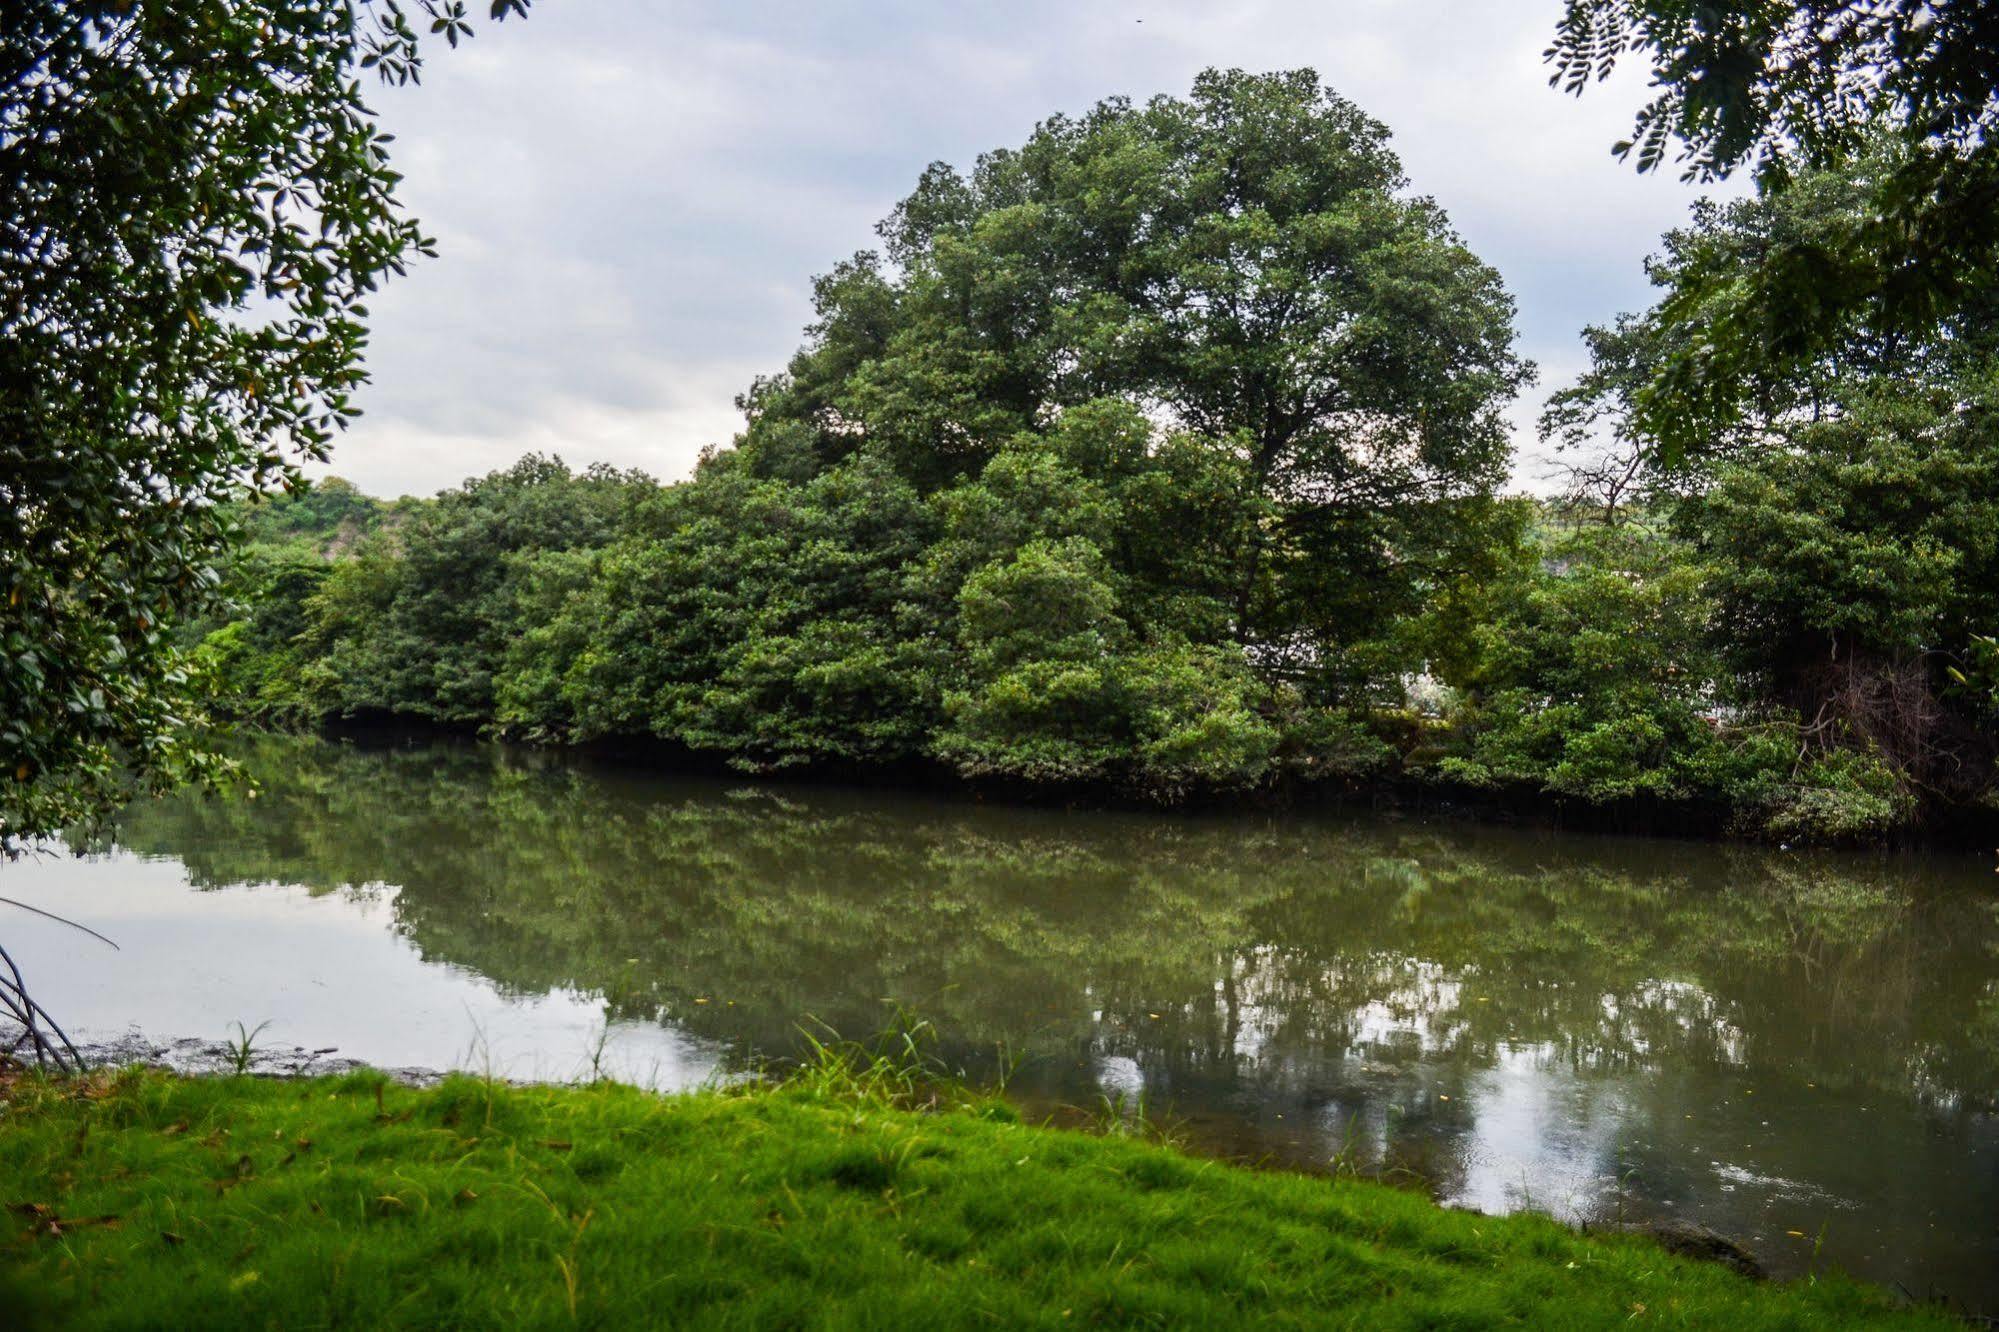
1841, 795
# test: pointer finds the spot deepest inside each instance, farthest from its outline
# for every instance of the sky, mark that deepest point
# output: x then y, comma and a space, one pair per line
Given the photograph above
631, 197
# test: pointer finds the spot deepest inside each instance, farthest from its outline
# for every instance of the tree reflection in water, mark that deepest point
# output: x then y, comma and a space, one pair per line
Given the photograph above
1594, 1026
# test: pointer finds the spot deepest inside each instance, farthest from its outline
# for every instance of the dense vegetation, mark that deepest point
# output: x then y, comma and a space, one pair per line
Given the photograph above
1895, 99
195, 206
845, 1199
1160, 457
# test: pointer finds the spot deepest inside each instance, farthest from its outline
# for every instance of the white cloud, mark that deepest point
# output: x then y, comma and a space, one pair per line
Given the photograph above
631, 199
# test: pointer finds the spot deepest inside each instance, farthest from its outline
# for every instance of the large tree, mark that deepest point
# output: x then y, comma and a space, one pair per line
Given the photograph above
1246, 265
195, 202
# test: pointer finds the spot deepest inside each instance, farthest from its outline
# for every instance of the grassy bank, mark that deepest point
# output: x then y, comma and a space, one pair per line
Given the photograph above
144, 1199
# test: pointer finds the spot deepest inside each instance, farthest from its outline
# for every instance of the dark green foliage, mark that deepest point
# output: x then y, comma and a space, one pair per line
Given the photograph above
255, 662
1855, 568
1127, 470
1875, 532
1843, 511
1777, 84
419, 622
196, 205
1199, 407
312, 521
1899, 101
1092, 629
1604, 670
761, 619
1244, 262
1709, 274
1593, 675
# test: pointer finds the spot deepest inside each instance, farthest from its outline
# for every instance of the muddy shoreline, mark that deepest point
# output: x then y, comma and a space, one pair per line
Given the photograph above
195, 1057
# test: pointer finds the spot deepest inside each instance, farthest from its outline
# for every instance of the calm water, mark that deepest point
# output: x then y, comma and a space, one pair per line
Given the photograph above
1767, 1043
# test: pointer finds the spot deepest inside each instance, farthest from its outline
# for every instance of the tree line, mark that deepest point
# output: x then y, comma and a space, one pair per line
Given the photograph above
1163, 457
197, 203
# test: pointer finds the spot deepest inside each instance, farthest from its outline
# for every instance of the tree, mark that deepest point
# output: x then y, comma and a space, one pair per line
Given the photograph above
1198, 403
1245, 265
749, 617
1590, 672
422, 623
1901, 97
1853, 569
1057, 689
196, 203
1843, 512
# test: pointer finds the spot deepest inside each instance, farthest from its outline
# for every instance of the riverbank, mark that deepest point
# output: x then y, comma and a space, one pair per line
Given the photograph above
841, 1198
1391, 782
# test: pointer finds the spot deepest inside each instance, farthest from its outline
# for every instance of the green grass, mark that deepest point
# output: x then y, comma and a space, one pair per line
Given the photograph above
146, 1200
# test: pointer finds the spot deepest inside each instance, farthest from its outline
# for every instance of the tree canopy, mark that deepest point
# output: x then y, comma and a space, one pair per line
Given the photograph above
1128, 461
1842, 517
195, 204
1245, 267
1900, 97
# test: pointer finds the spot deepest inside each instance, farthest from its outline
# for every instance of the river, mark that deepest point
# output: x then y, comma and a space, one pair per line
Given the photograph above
1798, 1050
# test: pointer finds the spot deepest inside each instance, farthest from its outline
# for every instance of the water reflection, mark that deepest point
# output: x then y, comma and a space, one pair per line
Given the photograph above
1767, 1043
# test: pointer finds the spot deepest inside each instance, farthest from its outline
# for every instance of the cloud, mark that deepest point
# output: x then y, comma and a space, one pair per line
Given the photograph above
631, 199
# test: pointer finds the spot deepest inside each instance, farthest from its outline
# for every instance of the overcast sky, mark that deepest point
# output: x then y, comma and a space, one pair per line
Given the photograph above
631, 197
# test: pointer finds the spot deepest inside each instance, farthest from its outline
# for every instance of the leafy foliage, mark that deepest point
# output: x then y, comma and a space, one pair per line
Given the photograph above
196, 204
1593, 676
1855, 568
1775, 84
1124, 470
1605, 671
1874, 531
1843, 509
1899, 99
417, 623
1243, 264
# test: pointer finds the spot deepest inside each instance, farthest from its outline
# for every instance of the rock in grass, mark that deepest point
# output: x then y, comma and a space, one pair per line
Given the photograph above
1691, 1240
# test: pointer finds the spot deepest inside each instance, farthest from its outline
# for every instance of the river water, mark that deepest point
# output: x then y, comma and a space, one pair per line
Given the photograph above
1798, 1050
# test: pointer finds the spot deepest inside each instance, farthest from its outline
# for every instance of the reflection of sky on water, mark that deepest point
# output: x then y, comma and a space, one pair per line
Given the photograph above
1541, 1139
1593, 1133
325, 971
1524, 1131
1122, 1080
